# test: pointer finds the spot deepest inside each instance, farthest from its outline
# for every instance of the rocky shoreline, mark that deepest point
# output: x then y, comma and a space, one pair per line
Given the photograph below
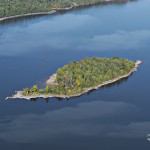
54, 10
29, 14
19, 94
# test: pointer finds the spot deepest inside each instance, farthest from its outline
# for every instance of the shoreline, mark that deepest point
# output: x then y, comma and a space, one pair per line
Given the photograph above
29, 14
55, 10
19, 94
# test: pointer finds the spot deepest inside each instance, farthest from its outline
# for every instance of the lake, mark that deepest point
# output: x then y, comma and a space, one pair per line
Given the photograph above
115, 117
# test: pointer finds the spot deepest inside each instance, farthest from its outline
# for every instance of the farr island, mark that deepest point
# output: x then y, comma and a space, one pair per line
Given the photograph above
77, 78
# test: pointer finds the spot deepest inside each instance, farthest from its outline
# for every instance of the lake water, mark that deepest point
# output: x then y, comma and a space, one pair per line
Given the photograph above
116, 117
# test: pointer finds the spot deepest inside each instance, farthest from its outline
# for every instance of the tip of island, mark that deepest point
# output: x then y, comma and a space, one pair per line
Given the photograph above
77, 78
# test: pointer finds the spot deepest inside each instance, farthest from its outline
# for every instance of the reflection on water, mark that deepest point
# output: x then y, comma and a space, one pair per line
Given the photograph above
148, 137
53, 37
85, 116
112, 118
26, 18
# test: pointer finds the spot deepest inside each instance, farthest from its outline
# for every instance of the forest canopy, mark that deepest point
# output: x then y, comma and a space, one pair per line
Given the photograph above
18, 7
74, 77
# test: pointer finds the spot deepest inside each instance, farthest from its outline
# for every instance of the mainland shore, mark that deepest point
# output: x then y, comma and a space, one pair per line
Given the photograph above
19, 94
29, 14
55, 10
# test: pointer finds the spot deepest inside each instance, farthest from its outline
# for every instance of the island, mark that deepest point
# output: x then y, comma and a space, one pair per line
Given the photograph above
79, 77
19, 8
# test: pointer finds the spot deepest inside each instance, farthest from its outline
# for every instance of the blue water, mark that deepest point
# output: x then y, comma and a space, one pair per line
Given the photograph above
115, 117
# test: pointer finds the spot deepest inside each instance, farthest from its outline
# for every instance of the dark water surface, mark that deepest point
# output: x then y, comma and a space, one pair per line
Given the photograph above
116, 117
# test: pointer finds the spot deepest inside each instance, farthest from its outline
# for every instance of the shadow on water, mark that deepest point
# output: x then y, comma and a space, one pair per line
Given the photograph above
35, 17
21, 19
110, 85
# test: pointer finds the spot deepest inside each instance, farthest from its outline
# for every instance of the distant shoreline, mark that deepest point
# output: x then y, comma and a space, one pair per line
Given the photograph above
29, 14
19, 94
55, 10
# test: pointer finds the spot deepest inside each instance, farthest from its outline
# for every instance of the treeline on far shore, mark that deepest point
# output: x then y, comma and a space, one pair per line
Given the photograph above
18, 7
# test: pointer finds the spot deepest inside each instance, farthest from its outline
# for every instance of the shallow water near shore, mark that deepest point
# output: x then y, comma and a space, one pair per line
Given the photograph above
114, 117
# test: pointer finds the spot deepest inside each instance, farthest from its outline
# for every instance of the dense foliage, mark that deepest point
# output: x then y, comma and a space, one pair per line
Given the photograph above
17, 7
74, 77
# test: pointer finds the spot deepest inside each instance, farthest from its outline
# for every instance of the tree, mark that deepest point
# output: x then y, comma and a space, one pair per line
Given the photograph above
34, 89
47, 89
26, 91
78, 82
76, 76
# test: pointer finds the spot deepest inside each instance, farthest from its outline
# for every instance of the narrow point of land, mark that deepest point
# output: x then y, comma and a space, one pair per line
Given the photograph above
69, 81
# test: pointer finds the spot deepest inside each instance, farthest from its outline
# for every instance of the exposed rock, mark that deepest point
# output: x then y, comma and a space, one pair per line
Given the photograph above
51, 80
